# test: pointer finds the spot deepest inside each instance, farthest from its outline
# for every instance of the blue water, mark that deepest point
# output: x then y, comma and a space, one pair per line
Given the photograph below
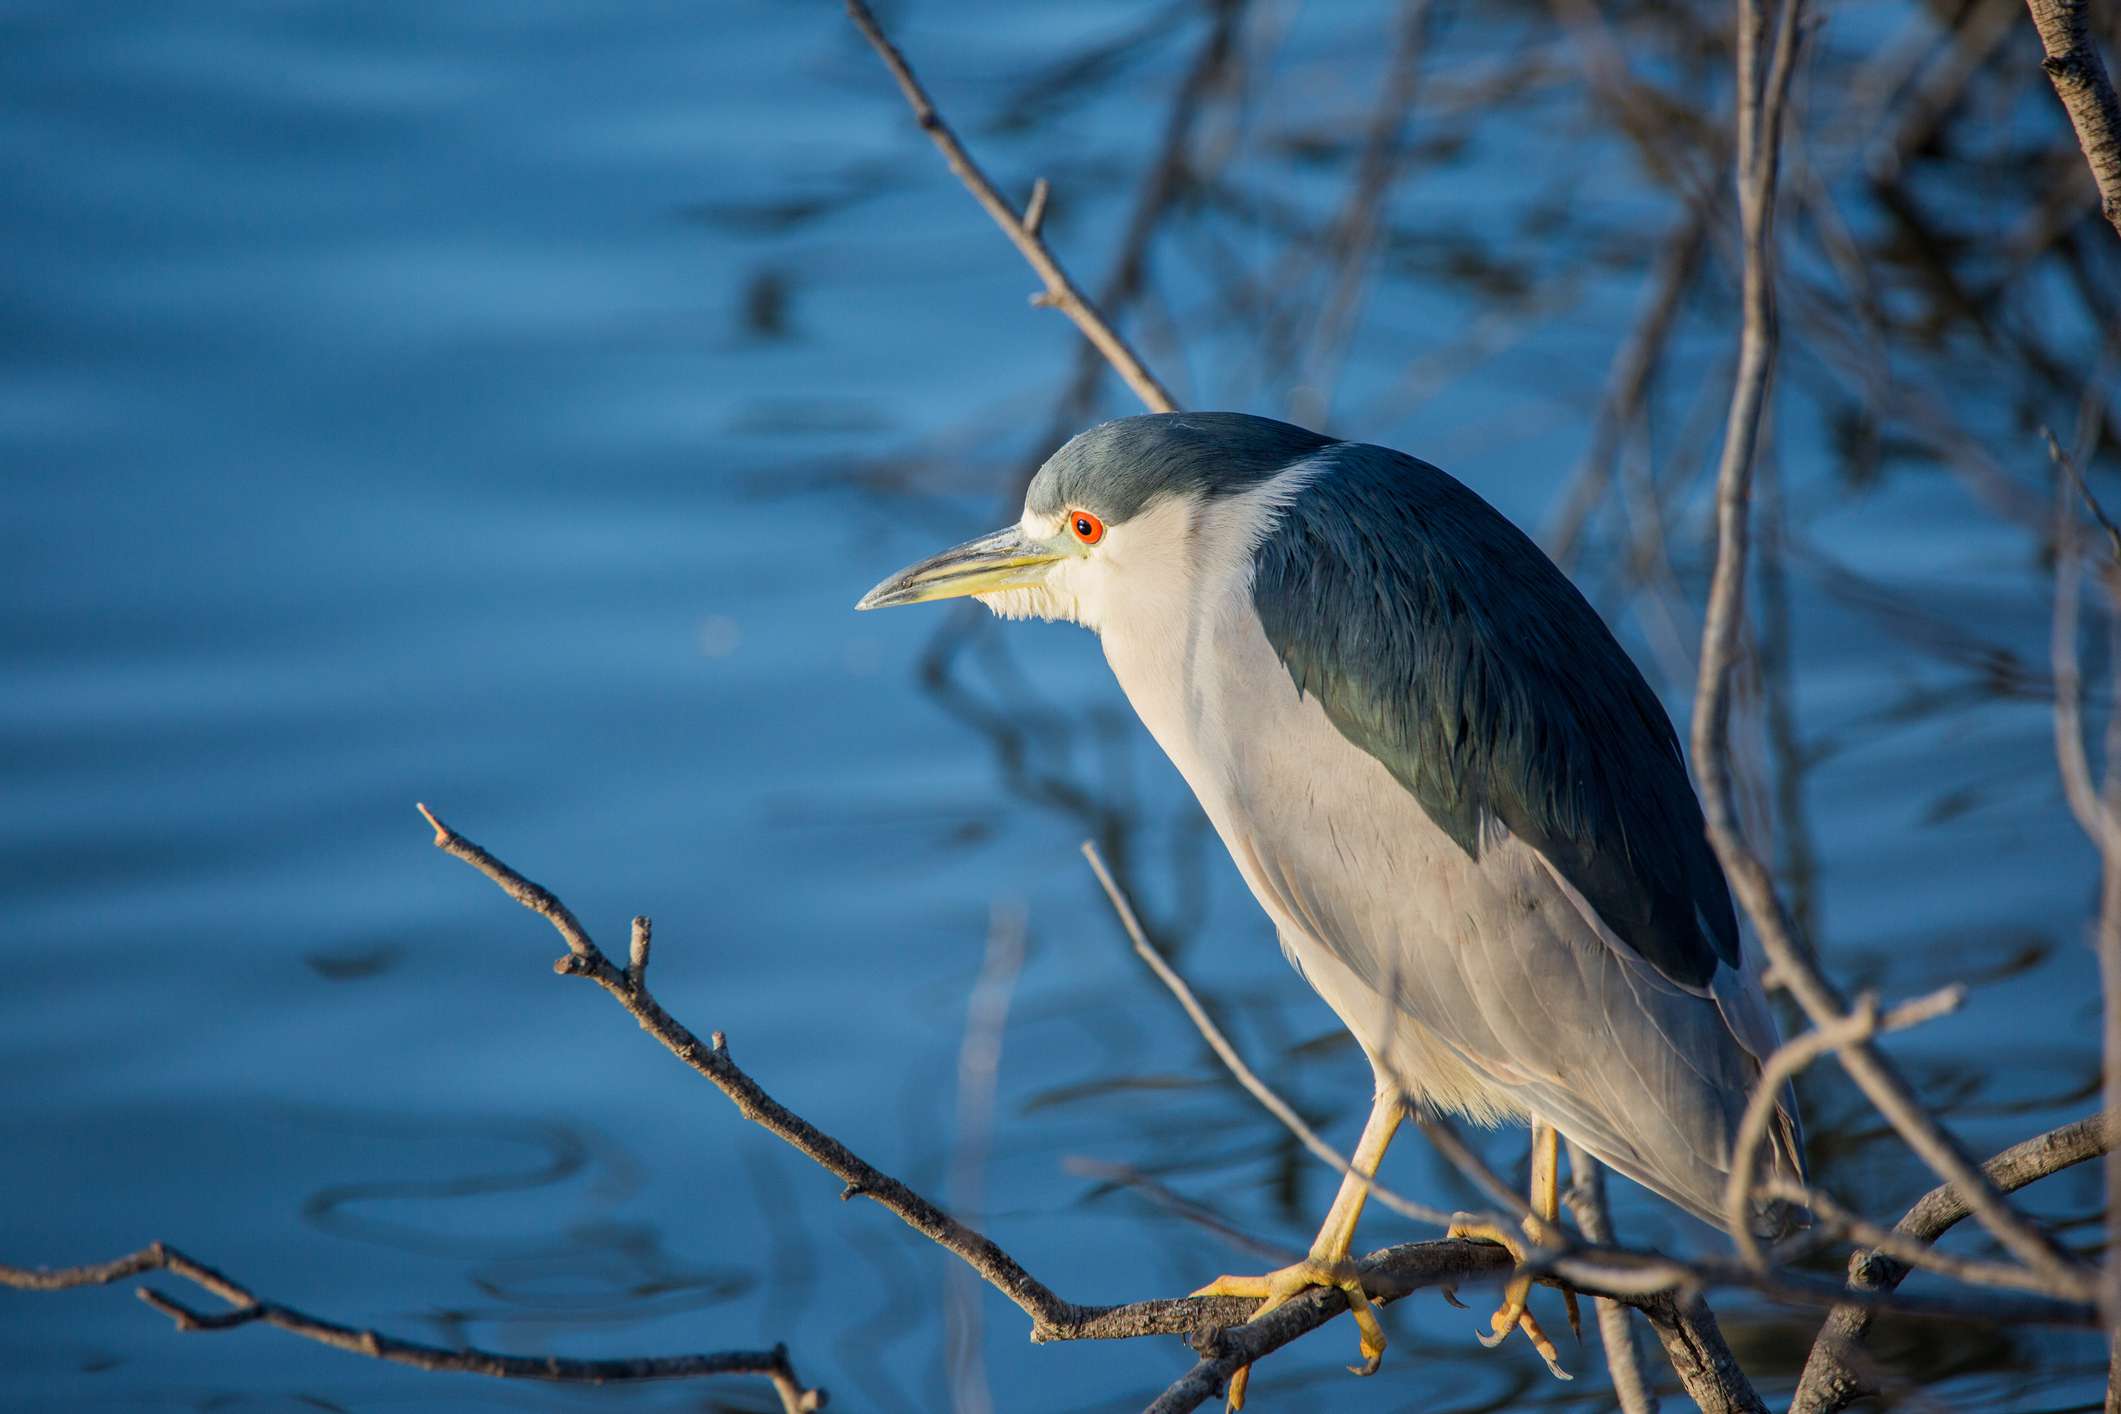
502, 407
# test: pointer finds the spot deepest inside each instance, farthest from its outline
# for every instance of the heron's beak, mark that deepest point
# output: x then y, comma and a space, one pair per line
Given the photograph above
1007, 559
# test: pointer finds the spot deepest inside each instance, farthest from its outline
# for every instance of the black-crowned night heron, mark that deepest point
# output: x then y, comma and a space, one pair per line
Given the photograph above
1445, 782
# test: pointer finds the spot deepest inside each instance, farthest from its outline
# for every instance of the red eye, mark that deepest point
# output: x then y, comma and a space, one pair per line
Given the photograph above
1088, 528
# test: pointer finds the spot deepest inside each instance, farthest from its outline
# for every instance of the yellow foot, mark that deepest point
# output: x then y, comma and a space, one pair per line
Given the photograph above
1513, 1314
1276, 1288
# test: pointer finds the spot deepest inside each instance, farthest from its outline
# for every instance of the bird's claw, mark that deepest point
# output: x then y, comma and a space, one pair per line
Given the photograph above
1277, 1288
1513, 1314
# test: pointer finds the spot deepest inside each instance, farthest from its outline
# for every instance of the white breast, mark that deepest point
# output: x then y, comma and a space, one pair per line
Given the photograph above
1304, 813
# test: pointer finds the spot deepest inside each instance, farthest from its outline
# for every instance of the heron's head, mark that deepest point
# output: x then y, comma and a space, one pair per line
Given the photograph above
1127, 506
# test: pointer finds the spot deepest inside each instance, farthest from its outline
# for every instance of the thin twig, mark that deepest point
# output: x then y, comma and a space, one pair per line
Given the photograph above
1627, 386
1024, 233
2071, 759
1448, 1142
245, 1308
1792, 1056
637, 953
1354, 230
1912, 1252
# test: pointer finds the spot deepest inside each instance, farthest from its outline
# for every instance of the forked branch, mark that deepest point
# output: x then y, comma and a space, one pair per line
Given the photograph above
1833, 1374
1053, 1319
247, 1308
1026, 231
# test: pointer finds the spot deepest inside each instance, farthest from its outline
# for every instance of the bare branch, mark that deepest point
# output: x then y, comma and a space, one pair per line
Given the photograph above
1832, 1378
1671, 275
2087, 94
246, 1308
1667, 1291
1024, 232
2098, 813
1387, 1276
1761, 101
711, 1060
2070, 756
1694, 1343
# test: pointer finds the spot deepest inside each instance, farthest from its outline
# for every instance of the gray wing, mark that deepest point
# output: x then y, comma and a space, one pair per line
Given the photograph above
1587, 956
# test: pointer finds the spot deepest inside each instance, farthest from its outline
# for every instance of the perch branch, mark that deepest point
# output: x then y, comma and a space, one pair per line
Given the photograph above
1694, 1344
245, 1308
1667, 1291
1706, 1367
1025, 232
1053, 1319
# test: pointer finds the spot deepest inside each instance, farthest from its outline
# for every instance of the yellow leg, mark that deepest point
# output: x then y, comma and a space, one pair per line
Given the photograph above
1546, 1210
1329, 1263
1546, 1204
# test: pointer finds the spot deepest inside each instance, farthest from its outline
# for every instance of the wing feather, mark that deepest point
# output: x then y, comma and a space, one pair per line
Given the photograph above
1575, 943
1443, 642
